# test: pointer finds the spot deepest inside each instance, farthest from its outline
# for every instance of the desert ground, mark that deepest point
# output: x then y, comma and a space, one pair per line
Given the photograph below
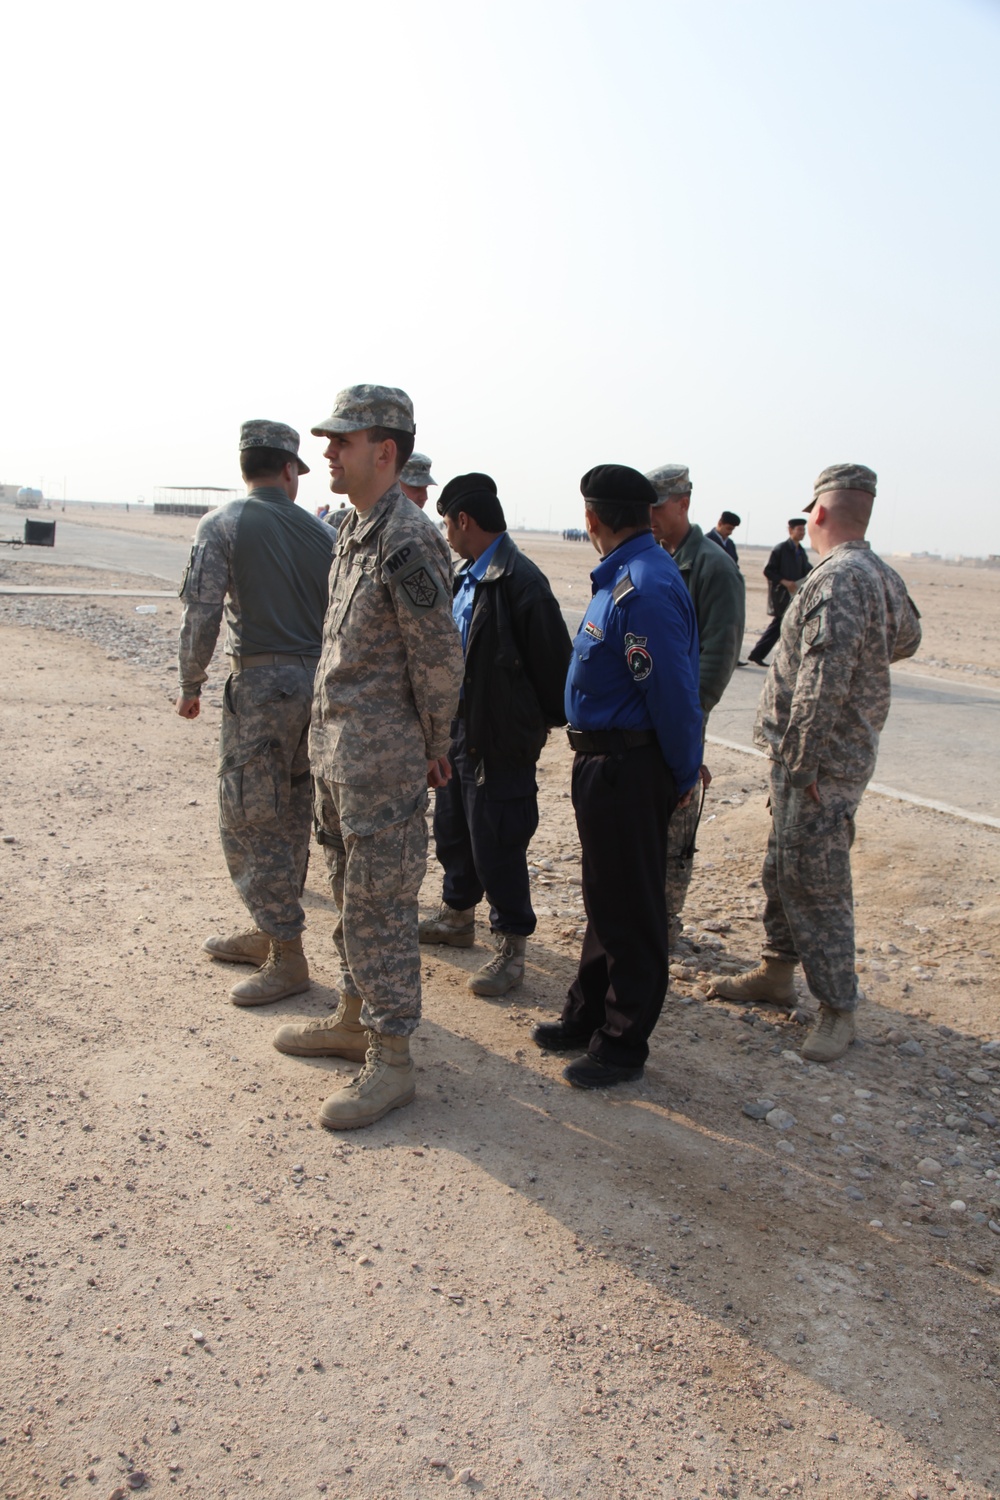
743, 1276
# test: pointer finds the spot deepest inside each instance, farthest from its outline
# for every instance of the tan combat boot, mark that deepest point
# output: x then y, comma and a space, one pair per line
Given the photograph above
831, 1036
385, 1082
505, 970
339, 1035
770, 983
285, 973
456, 928
250, 947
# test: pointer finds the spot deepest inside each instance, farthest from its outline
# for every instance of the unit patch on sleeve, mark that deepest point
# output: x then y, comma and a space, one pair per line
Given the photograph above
637, 658
416, 586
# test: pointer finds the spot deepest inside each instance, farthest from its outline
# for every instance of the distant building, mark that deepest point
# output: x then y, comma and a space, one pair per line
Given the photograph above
189, 499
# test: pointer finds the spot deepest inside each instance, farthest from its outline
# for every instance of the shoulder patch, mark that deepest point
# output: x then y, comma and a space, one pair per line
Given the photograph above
622, 589
399, 559
637, 658
415, 584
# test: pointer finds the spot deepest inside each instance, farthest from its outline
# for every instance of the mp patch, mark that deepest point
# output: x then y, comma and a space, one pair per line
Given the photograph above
417, 588
637, 658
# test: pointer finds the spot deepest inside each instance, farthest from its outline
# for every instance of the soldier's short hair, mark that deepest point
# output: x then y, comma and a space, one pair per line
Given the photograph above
264, 463
404, 441
620, 515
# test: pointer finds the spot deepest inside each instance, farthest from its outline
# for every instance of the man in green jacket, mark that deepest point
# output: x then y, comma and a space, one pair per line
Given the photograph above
718, 594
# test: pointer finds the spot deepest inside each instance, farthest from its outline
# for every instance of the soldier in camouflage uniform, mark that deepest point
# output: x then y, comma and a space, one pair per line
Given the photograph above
824, 703
387, 689
264, 560
415, 478
718, 594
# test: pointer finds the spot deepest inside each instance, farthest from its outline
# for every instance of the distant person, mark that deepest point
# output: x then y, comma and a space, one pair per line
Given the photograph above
718, 594
632, 704
785, 570
265, 560
336, 518
722, 533
517, 649
822, 710
322, 511
386, 692
415, 479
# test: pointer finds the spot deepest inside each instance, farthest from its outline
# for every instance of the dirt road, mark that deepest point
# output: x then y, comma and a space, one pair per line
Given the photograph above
511, 1288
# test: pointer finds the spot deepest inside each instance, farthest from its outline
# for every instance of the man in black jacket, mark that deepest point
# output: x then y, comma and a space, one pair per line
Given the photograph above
786, 568
517, 650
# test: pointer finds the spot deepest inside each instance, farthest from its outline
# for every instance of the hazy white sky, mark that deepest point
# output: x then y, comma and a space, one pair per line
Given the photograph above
754, 236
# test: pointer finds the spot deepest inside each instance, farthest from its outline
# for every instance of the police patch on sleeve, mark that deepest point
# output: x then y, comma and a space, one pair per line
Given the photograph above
416, 586
637, 658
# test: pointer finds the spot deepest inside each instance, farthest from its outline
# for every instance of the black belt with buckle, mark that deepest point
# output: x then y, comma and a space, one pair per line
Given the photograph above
609, 741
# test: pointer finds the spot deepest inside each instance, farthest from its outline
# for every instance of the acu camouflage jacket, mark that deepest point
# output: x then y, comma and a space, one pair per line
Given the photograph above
826, 697
389, 676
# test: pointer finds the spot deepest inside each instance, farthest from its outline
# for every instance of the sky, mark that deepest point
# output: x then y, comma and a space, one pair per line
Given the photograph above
754, 236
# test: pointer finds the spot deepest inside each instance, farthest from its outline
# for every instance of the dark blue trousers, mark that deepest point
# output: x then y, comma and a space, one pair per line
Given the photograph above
481, 837
623, 805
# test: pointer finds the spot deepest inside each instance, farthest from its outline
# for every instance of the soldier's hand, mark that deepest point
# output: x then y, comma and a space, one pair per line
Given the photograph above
706, 777
438, 771
812, 790
189, 708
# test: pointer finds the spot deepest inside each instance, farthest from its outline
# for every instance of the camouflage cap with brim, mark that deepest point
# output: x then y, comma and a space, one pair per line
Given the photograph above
260, 433
843, 477
669, 480
417, 471
358, 407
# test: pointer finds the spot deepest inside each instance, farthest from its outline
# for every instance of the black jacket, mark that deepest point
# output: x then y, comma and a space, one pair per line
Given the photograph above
515, 662
788, 560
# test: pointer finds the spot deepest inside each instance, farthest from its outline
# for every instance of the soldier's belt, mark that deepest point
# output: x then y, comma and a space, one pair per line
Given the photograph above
271, 659
609, 741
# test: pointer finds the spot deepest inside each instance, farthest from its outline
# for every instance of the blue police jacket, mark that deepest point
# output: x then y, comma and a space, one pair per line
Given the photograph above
635, 656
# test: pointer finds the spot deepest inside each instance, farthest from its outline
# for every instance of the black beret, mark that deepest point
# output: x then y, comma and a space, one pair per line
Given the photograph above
464, 487
618, 483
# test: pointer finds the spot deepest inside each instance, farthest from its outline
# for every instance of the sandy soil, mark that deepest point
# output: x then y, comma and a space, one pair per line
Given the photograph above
510, 1288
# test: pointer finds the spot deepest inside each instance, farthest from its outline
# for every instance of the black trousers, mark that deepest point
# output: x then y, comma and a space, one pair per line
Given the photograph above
623, 804
771, 635
481, 837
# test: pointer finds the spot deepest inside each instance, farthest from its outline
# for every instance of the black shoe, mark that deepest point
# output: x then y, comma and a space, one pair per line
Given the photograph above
757, 661
556, 1036
591, 1073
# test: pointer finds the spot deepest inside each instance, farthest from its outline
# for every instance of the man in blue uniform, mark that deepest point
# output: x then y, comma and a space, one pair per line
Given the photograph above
635, 724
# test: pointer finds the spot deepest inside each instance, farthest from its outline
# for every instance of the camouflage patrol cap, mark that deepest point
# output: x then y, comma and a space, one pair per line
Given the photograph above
669, 480
417, 471
263, 434
843, 477
360, 406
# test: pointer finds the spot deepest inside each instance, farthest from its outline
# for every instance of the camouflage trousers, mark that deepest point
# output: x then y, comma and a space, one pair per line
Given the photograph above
375, 842
265, 799
809, 915
681, 832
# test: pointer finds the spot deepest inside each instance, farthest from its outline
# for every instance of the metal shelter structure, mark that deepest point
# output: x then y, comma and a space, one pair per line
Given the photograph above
189, 499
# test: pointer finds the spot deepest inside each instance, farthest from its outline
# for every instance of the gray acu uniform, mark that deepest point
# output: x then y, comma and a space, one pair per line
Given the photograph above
718, 594
825, 701
386, 692
265, 561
